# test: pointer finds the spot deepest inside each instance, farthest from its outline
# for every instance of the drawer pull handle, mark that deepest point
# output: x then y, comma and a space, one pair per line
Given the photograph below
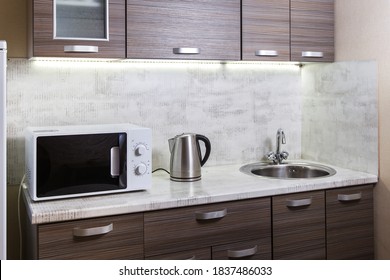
313, 54
298, 202
186, 50
266, 53
242, 253
211, 215
81, 49
190, 259
349, 197
81, 232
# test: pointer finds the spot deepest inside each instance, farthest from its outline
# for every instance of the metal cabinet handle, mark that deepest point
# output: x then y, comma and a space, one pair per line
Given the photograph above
266, 53
349, 197
242, 253
190, 259
80, 232
186, 50
211, 215
81, 49
312, 54
298, 202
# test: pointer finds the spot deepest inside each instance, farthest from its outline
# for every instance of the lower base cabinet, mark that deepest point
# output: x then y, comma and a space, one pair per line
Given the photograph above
324, 224
349, 223
113, 237
230, 230
298, 222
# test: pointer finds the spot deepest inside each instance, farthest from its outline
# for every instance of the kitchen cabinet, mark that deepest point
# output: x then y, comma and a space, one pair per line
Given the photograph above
115, 237
266, 30
179, 29
349, 223
299, 226
77, 28
321, 224
312, 30
218, 226
284, 30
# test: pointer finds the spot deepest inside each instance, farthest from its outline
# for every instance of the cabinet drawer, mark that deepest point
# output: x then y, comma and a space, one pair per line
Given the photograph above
196, 254
350, 223
249, 250
299, 226
175, 230
116, 237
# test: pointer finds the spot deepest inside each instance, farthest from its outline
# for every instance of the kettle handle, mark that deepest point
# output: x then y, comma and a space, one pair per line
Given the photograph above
207, 144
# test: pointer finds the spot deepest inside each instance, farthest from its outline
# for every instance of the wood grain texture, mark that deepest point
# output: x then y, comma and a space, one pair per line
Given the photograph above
42, 33
195, 254
312, 29
155, 27
350, 229
299, 232
176, 230
125, 241
266, 26
264, 250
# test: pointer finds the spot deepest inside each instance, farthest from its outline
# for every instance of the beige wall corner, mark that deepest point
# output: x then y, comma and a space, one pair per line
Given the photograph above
362, 33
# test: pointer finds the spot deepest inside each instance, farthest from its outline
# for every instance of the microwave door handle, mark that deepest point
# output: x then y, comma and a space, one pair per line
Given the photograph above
115, 162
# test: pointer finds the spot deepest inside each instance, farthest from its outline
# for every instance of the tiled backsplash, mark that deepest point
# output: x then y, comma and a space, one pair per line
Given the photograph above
340, 114
238, 107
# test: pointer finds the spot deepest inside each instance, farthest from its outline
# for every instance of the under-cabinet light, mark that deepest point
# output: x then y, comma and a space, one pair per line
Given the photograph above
53, 61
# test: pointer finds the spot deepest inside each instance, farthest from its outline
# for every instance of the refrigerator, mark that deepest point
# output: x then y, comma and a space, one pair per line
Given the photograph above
3, 147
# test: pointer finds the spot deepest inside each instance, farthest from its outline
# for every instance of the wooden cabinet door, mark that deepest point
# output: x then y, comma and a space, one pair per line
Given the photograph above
177, 29
188, 228
43, 25
349, 222
299, 226
266, 30
116, 237
312, 30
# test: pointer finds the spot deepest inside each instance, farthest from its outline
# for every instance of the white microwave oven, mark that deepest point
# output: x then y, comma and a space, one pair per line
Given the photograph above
83, 160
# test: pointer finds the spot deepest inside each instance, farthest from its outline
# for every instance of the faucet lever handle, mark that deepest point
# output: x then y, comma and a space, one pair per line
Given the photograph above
284, 155
271, 156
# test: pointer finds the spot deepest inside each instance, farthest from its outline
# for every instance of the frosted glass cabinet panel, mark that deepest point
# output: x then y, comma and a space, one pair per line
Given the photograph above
77, 28
81, 19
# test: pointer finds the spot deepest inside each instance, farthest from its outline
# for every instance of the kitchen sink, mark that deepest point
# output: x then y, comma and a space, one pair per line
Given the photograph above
288, 170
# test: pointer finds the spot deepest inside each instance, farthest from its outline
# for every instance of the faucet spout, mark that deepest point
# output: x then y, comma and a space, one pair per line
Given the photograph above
278, 156
280, 139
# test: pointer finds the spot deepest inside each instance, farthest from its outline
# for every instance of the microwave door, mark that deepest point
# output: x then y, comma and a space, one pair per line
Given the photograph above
75, 164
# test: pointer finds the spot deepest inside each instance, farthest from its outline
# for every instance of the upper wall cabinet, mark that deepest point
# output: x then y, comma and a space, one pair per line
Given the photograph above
266, 30
283, 30
183, 29
312, 30
78, 28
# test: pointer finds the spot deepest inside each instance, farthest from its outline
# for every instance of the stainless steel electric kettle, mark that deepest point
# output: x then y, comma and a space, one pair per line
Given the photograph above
186, 156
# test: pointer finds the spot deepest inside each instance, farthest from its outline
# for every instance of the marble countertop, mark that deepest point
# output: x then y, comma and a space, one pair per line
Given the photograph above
218, 184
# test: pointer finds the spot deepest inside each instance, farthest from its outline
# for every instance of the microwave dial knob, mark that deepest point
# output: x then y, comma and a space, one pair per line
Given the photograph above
140, 169
140, 150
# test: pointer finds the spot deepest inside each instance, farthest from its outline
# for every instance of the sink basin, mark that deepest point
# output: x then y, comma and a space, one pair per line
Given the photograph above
288, 170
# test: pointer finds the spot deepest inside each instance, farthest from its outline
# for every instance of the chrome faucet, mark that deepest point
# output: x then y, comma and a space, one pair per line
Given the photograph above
278, 156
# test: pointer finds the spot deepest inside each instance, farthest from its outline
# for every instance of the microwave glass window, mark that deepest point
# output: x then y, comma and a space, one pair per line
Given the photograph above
81, 19
75, 164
